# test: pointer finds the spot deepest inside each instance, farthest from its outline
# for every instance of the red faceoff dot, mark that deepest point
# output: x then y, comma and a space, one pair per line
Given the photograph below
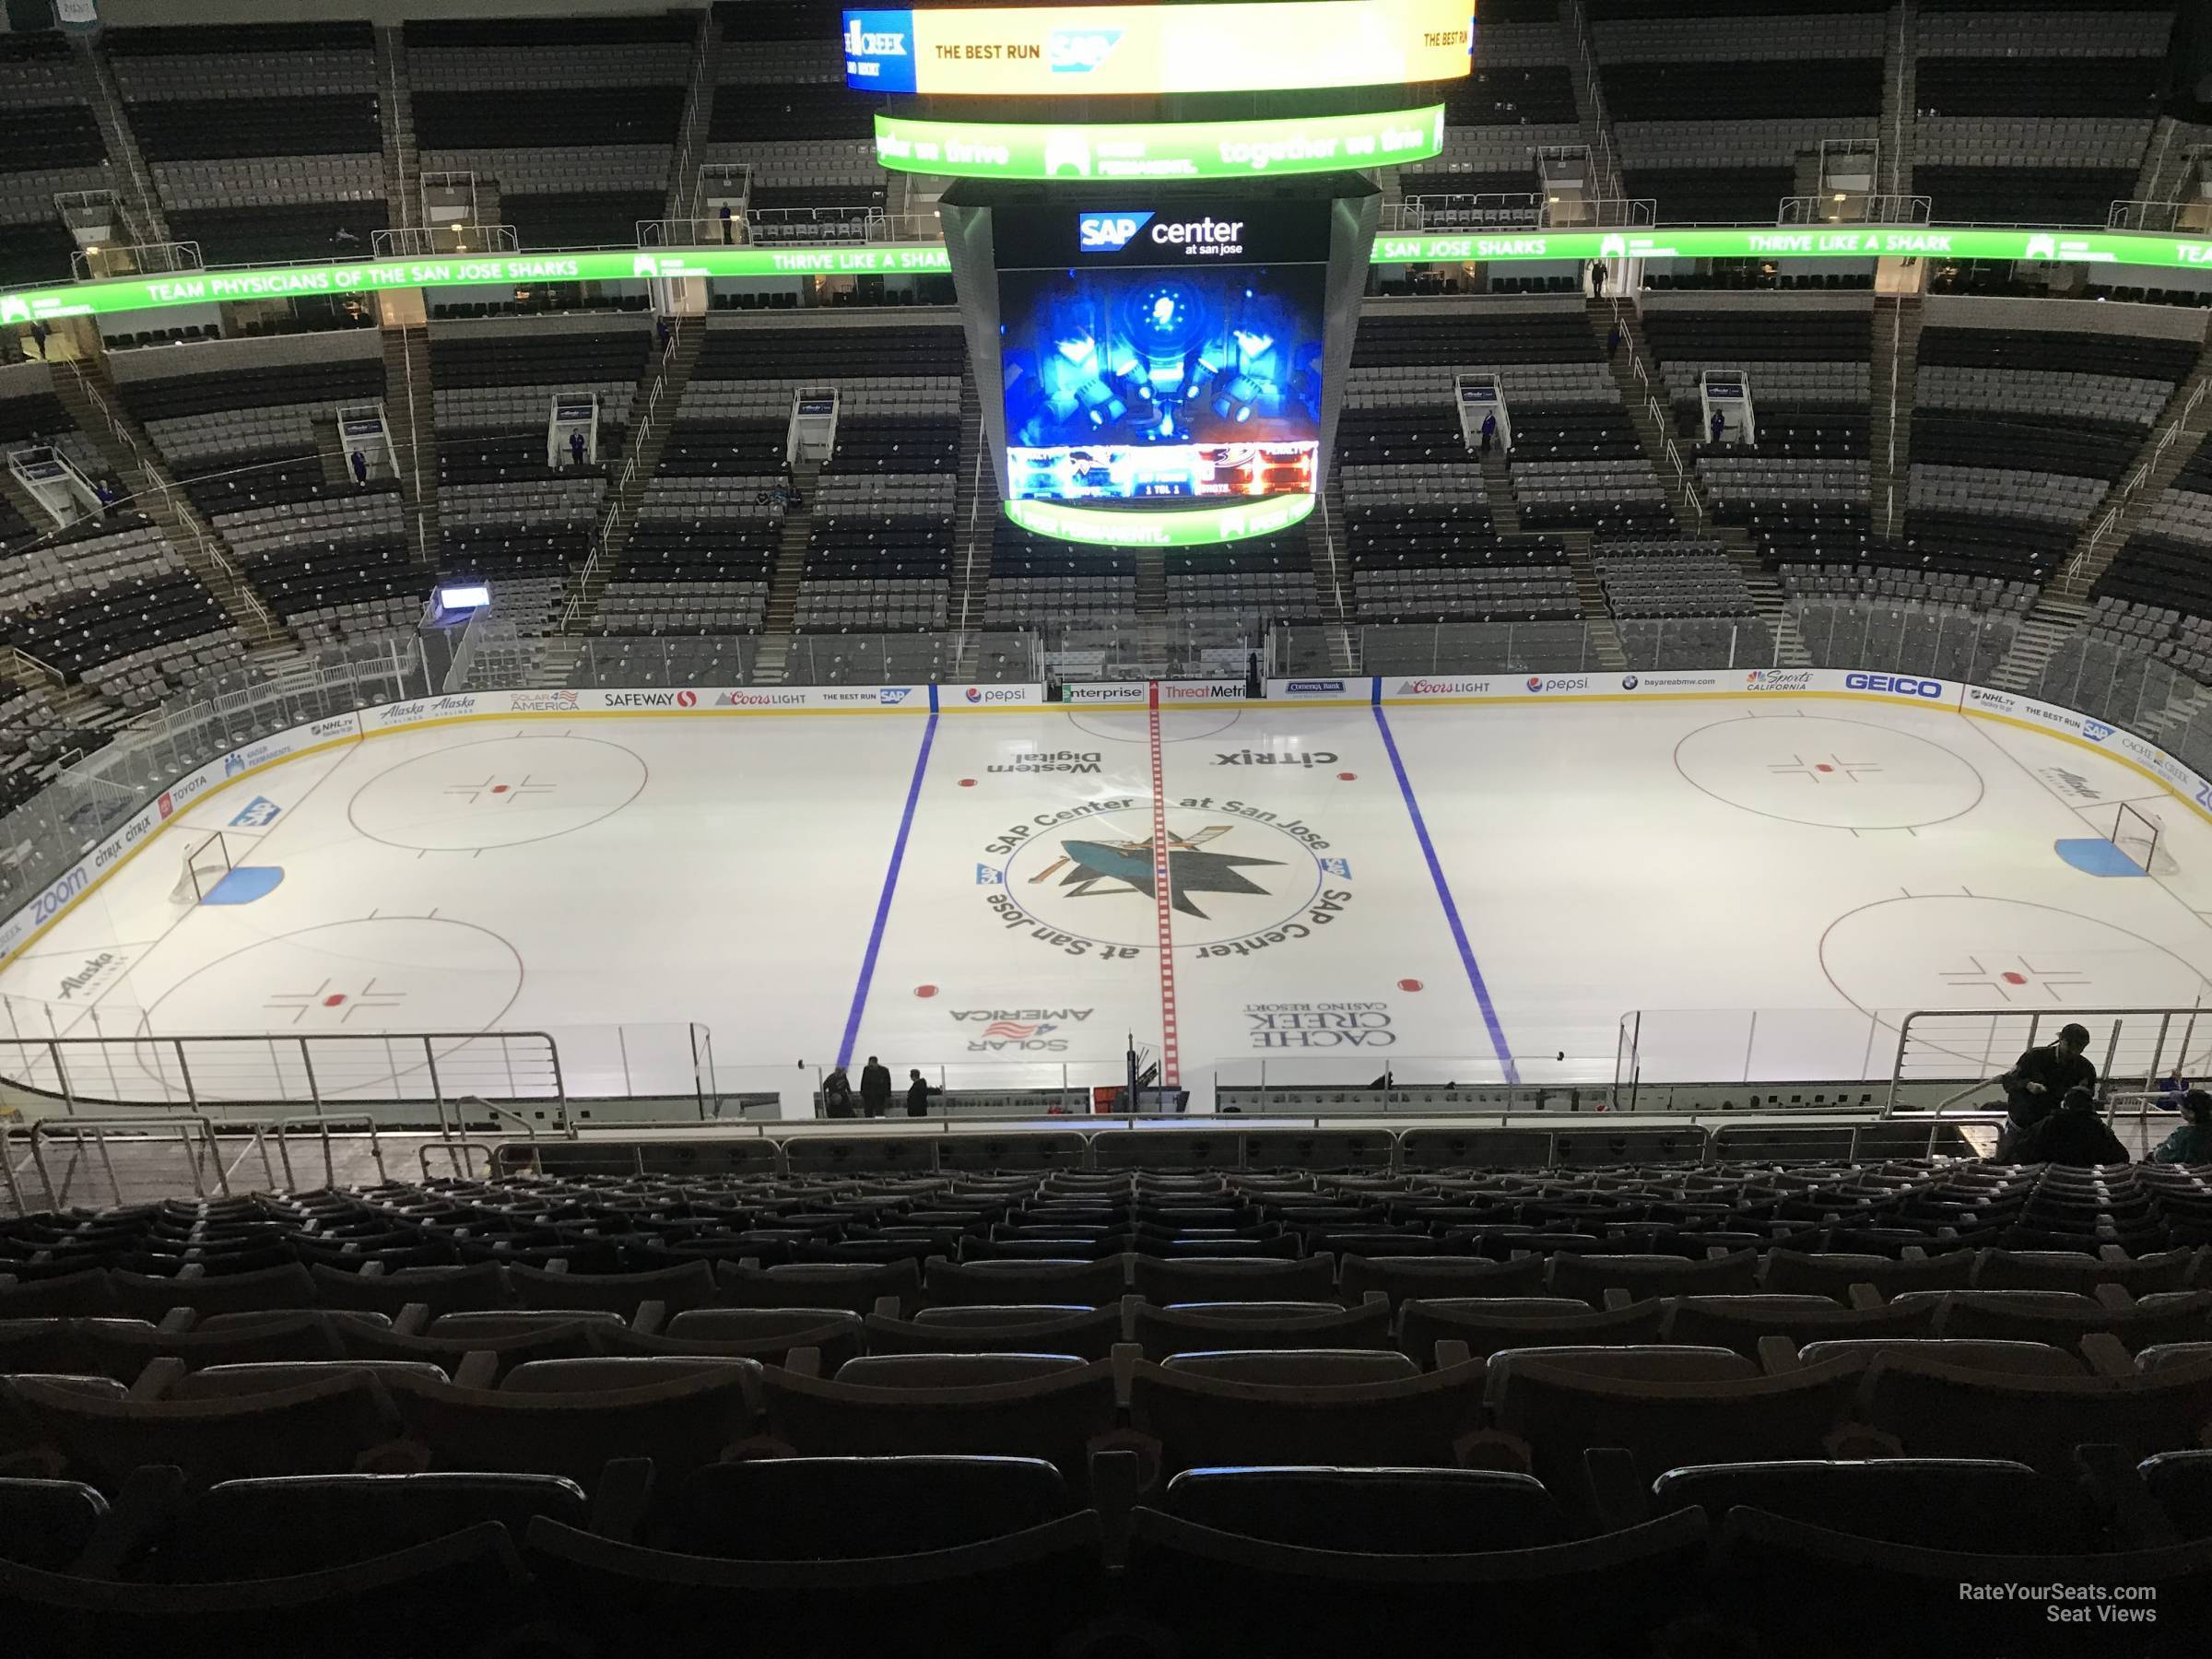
1348, 777
2014, 979
1824, 766
926, 991
498, 789
967, 782
1409, 984
333, 1000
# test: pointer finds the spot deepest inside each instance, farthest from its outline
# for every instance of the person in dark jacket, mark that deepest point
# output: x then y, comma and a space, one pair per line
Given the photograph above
576, 447
875, 1088
1489, 433
2076, 1134
837, 1094
360, 469
2191, 1142
917, 1095
2039, 1078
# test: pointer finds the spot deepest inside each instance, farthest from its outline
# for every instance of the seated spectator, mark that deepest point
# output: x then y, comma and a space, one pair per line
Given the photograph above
2076, 1134
2040, 1077
2192, 1142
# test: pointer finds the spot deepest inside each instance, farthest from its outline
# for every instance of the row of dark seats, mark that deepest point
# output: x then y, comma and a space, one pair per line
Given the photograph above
915, 1554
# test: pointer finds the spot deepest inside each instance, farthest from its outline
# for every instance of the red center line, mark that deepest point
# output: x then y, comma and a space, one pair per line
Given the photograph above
1163, 908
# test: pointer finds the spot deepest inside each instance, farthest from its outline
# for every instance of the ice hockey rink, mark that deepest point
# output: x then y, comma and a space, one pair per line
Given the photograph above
1465, 892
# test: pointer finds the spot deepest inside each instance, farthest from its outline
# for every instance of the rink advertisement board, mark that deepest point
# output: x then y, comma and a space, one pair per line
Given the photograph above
1082, 52
119, 295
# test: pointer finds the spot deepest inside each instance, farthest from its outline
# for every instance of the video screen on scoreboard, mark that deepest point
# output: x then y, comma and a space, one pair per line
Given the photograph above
1169, 358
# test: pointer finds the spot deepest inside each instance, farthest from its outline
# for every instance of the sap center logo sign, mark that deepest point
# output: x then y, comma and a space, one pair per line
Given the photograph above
1109, 232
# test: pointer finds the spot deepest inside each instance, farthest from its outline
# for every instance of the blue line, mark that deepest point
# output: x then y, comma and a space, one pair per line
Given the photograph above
1443, 893
890, 886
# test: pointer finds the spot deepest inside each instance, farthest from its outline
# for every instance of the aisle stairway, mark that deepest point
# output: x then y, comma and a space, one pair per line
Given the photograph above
783, 584
94, 404
411, 419
652, 418
1332, 576
2040, 633
2171, 444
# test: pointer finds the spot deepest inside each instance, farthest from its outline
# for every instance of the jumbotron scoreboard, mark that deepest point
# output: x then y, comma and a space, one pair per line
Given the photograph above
1159, 219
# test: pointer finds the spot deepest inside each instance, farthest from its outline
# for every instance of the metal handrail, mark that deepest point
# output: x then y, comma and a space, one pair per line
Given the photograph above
323, 1124
571, 613
457, 1150
99, 1128
1874, 209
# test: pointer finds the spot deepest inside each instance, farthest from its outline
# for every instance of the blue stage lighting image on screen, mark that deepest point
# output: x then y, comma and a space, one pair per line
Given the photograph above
1127, 383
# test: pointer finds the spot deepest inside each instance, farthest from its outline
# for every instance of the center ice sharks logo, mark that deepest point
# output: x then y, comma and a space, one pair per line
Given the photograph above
1211, 876
1108, 867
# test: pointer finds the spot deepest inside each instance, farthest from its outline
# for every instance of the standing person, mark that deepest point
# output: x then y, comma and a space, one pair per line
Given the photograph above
917, 1095
38, 335
1613, 342
837, 1094
1720, 426
875, 1088
360, 469
1598, 279
2191, 1142
576, 447
2076, 1134
2039, 1078
729, 229
1490, 431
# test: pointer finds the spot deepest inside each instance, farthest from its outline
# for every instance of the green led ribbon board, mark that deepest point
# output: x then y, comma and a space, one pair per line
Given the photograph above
1149, 153
113, 296
1179, 527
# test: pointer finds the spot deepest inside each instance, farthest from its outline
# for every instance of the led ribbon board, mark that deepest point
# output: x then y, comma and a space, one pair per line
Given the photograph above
1078, 51
116, 295
1143, 527
1188, 149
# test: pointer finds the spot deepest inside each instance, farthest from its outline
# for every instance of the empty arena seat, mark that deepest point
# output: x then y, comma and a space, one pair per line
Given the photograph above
1590, 1277
833, 1508
1547, 1410
438, 1289
1489, 1325
1369, 1511
48, 1524
1086, 1283
1399, 1278
570, 1417
1233, 1593
995, 1597
1087, 1333
1798, 1272
858, 1287
1203, 1420
675, 1288
320, 1426
1189, 1327
1934, 1410
1992, 1505
1740, 1321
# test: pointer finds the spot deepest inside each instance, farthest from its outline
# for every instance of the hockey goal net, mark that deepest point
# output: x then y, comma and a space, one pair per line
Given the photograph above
2141, 839
206, 861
